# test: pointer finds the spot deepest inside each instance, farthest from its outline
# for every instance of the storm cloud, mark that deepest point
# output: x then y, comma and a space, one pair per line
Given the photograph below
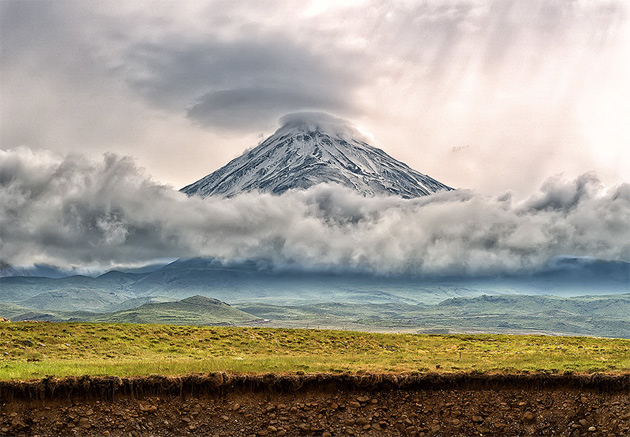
72, 211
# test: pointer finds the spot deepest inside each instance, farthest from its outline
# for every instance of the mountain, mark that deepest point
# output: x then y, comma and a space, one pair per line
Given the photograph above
310, 149
48, 271
251, 281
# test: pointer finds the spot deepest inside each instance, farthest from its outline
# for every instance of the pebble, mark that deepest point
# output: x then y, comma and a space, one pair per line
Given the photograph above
361, 421
528, 416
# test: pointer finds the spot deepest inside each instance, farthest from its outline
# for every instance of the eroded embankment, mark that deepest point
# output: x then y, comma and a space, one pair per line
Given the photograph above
319, 405
110, 387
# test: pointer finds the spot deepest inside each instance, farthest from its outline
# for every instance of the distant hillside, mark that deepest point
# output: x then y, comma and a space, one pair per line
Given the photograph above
601, 316
545, 302
195, 310
73, 293
12, 311
253, 281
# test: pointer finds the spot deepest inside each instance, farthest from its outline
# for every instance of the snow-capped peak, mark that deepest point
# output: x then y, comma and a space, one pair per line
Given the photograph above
313, 148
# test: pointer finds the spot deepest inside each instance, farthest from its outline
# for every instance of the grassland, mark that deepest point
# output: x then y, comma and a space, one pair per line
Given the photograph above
34, 350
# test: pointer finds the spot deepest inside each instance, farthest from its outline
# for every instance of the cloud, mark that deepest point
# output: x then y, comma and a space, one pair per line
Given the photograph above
70, 211
230, 85
322, 122
231, 109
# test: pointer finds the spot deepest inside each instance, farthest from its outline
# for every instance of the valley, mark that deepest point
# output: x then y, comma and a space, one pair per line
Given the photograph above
578, 298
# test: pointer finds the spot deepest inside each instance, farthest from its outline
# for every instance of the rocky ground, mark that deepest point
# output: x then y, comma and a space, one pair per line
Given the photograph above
340, 411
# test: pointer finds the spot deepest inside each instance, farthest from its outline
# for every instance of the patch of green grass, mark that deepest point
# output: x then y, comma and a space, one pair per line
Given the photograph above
34, 350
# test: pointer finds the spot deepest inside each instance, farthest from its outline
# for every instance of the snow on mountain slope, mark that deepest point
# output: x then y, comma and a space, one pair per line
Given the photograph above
310, 149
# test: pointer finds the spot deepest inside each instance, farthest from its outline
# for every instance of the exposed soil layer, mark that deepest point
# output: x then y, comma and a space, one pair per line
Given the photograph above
319, 405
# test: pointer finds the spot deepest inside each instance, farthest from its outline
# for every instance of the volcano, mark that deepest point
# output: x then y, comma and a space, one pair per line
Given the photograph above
311, 149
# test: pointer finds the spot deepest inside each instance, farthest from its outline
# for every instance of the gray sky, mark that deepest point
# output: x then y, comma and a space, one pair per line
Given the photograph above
524, 105
487, 95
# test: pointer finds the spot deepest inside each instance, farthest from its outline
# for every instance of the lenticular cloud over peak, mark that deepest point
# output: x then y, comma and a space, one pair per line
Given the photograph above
70, 211
320, 122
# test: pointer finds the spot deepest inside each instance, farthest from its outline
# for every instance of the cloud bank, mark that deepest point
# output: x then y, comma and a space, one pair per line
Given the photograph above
70, 211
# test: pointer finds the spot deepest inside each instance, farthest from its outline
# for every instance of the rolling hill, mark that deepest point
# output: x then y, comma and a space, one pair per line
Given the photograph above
195, 310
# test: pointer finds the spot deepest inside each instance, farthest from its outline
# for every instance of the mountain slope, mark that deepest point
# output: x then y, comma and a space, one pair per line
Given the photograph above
195, 310
311, 149
74, 293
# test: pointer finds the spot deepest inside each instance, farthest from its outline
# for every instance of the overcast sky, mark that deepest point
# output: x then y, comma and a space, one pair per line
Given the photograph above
486, 95
106, 106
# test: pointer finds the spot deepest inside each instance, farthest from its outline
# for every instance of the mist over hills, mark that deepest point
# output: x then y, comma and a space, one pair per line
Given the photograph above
300, 298
252, 280
39, 270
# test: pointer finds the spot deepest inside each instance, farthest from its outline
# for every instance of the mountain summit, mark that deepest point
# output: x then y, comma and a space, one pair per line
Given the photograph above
310, 149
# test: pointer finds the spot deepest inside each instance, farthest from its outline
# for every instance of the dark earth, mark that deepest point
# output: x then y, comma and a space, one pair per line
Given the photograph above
313, 405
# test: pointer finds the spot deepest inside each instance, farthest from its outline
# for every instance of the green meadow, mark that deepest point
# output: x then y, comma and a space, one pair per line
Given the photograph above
31, 350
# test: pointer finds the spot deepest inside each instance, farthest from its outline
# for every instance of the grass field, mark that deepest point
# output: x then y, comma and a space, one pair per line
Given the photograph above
33, 350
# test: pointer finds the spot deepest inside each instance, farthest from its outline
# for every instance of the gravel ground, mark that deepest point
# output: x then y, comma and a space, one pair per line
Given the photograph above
329, 411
